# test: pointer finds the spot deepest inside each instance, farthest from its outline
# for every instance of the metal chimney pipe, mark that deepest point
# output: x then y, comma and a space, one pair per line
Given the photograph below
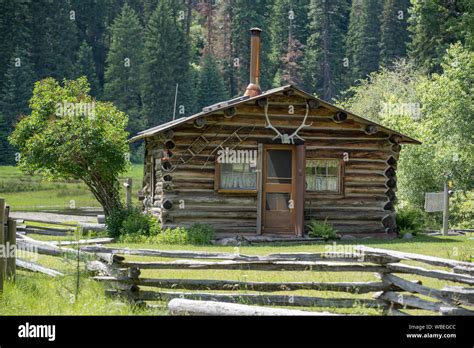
253, 89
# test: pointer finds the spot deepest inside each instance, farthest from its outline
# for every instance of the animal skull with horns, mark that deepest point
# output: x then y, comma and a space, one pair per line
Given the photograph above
289, 138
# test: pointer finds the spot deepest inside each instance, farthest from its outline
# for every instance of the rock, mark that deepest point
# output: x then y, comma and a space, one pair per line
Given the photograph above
347, 237
101, 219
407, 236
227, 242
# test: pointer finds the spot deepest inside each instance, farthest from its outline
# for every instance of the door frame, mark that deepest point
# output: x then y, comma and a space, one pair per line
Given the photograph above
293, 192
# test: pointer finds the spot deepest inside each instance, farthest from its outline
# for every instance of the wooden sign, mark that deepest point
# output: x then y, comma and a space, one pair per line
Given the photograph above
434, 201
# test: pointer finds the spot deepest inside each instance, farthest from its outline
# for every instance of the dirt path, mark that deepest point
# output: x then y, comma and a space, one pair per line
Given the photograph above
53, 217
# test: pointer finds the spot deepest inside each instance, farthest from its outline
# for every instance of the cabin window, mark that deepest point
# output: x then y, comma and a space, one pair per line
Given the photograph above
323, 176
238, 176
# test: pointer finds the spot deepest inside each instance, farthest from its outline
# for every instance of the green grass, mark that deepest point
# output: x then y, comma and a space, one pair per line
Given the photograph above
34, 294
27, 295
445, 247
30, 193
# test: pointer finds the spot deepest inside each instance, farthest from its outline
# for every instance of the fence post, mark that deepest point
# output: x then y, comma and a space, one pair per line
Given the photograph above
446, 209
2, 242
11, 243
128, 192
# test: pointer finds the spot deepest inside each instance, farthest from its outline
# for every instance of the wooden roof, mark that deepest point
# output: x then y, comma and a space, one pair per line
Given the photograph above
241, 100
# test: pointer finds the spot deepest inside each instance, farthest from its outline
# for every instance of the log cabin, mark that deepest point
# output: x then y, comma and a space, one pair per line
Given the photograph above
268, 162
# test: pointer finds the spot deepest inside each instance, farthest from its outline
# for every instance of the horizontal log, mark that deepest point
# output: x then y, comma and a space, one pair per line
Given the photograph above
260, 266
417, 288
460, 278
48, 232
188, 213
83, 241
410, 301
459, 294
396, 312
34, 267
179, 306
68, 224
273, 300
455, 311
47, 248
347, 215
464, 270
212, 284
328, 256
431, 260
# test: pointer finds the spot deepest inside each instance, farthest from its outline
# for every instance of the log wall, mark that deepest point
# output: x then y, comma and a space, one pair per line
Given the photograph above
180, 168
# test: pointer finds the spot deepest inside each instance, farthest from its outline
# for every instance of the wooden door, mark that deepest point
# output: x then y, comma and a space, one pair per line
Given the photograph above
279, 187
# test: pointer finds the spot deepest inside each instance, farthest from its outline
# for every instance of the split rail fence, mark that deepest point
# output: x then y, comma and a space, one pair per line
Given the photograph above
7, 244
393, 294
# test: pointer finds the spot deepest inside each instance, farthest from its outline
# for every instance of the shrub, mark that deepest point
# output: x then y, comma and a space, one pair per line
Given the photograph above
409, 220
176, 235
461, 210
200, 234
321, 230
131, 221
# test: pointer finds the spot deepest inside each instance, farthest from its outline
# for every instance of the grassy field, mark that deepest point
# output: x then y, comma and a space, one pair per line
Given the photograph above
30, 193
27, 296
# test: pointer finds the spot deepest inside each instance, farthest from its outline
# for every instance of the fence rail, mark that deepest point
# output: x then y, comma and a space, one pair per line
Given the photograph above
393, 294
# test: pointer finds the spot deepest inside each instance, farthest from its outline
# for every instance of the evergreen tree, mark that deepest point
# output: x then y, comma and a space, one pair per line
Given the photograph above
54, 38
223, 48
289, 19
124, 61
85, 67
393, 30
14, 28
166, 63
362, 41
14, 98
324, 59
91, 19
434, 25
211, 85
246, 15
6, 156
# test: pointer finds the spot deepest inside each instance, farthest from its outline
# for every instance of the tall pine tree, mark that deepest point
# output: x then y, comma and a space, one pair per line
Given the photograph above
55, 39
393, 30
324, 59
91, 20
245, 15
288, 34
434, 25
166, 60
14, 97
211, 85
124, 61
362, 40
15, 18
85, 66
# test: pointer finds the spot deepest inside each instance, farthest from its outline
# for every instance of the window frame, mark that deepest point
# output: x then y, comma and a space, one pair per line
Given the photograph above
341, 174
217, 182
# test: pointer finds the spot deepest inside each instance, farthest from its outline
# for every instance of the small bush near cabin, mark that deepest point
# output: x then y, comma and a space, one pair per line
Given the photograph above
409, 220
200, 234
131, 222
321, 230
176, 235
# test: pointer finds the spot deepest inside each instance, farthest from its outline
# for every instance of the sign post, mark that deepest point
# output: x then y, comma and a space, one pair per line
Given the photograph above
445, 209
